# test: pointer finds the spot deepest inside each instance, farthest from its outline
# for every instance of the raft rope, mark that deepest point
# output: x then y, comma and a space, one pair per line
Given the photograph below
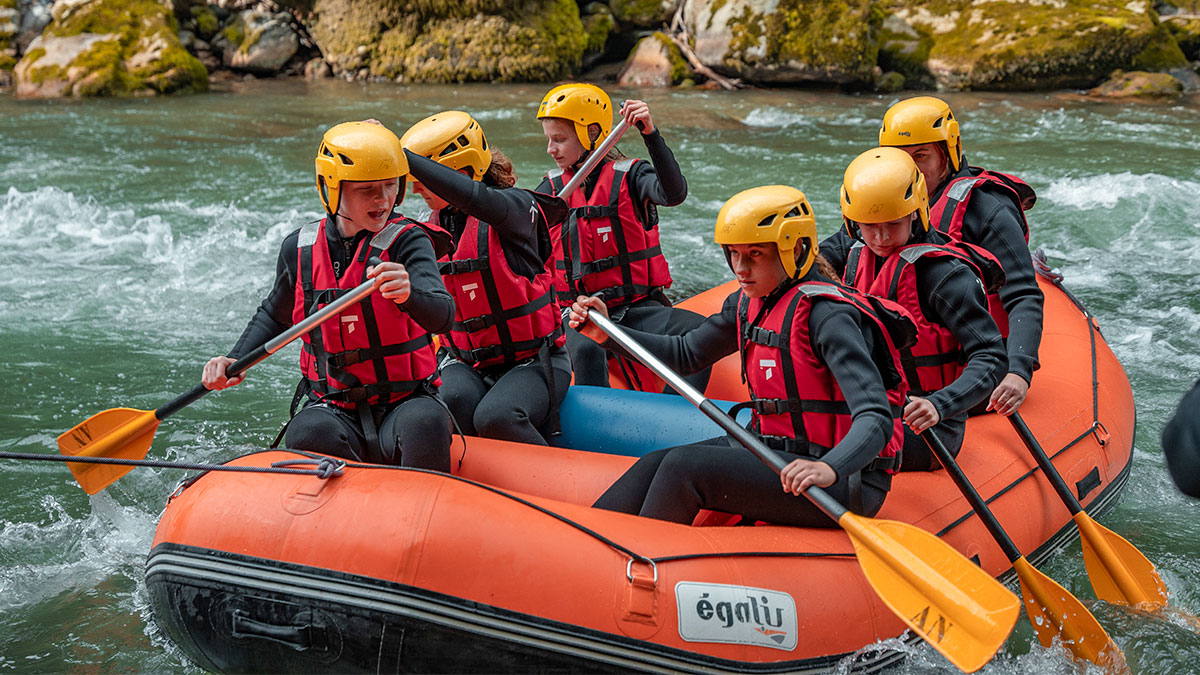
1042, 267
327, 467
557, 516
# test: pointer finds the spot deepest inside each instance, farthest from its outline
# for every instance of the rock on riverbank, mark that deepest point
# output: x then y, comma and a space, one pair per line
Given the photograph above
115, 47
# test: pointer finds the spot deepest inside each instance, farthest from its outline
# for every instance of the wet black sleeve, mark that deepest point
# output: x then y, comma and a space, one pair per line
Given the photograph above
515, 213
274, 315
956, 300
1181, 444
696, 349
842, 342
544, 187
429, 303
836, 249
993, 221
661, 183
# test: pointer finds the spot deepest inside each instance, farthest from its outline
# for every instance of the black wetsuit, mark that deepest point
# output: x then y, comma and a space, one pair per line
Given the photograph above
993, 221
658, 182
1181, 443
513, 402
719, 474
951, 295
414, 432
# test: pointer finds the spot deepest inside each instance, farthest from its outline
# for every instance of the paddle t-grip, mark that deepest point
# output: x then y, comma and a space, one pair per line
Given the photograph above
640, 124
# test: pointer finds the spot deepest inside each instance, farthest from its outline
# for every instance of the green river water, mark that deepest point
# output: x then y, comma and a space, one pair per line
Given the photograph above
139, 235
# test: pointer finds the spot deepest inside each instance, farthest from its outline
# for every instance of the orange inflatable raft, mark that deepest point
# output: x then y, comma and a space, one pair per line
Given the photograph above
504, 566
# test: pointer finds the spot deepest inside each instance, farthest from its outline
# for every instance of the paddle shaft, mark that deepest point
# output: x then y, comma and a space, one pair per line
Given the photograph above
595, 158
823, 501
973, 497
273, 345
1043, 460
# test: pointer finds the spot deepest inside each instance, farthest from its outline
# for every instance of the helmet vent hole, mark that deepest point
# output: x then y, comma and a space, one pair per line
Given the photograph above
345, 160
766, 222
793, 213
804, 208
462, 140
908, 195
325, 151
448, 149
483, 141
938, 123
560, 98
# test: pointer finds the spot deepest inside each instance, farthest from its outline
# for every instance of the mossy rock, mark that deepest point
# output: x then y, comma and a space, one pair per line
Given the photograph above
10, 19
596, 29
1186, 31
789, 41
645, 13
109, 48
466, 41
1139, 84
206, 21
1033, 45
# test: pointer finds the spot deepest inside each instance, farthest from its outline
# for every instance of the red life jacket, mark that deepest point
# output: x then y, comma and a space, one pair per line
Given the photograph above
798, 405
948, 212
500, 317
371, 352
937, 359
602, 246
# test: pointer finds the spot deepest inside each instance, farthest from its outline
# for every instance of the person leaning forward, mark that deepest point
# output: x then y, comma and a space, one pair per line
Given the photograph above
958, 357
825, 382
369, 375
980, 207
503, 364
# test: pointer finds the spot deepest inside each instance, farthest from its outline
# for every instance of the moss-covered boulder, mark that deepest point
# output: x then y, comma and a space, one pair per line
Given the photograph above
598, 23
257, 42
1185, 28
646, 13
454, 41
787, 41
109, 48
654, 62
1023, 44
1139, 84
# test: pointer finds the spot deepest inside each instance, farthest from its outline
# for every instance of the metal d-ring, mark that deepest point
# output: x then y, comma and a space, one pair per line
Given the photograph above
629, 569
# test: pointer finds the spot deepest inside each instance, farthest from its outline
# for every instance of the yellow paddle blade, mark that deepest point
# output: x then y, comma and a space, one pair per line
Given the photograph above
1054, 612
1119, 573
118, 432
949, 601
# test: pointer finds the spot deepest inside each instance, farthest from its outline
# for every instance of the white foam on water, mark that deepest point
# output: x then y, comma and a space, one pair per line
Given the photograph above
62, 553
504, 114
775, 118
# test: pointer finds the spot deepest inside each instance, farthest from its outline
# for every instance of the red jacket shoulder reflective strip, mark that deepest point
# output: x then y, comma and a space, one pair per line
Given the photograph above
936, 359
947, 214
794, 395
602, 246
372, 351
500, 317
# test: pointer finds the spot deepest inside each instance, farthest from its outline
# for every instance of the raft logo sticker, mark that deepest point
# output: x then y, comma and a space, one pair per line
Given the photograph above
736, 614
767, 365
470, 289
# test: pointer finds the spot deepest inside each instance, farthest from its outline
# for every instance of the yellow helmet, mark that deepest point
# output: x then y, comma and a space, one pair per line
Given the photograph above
582, 104
880, 185
775, 214
358, 151
451, 138
924, 119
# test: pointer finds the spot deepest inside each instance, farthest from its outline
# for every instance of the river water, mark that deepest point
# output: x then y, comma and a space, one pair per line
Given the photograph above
139, 236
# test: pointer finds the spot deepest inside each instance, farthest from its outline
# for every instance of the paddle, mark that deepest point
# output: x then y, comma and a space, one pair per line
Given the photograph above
1052, 610
595, 158
128, 433
1118, 571
946, 599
